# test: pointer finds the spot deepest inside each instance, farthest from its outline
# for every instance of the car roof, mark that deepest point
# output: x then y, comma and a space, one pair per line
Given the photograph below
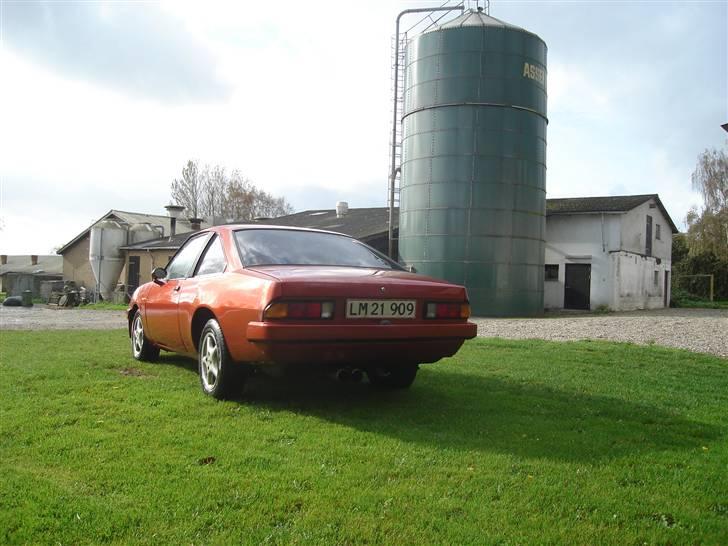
238, 227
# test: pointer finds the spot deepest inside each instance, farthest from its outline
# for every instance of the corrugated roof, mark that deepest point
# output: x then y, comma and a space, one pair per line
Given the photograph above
163, 243
366, 223
475, 18
47, 265
361, 223
613, 203
183, 226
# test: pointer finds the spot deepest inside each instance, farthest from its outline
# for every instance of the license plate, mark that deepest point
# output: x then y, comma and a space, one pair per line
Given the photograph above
380, 309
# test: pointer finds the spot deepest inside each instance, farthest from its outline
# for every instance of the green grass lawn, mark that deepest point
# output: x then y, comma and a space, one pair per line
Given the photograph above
704, 304
105, 306
510, 442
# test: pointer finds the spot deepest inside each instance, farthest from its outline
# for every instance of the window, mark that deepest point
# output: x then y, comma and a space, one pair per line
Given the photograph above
182, 263
657, 278
657, 231
214, 259
551, 272
648, 237
292, 247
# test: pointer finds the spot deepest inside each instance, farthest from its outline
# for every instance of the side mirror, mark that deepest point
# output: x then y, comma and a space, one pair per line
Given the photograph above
158, 275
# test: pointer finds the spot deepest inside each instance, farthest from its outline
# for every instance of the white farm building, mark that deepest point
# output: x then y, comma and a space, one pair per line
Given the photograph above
608, 251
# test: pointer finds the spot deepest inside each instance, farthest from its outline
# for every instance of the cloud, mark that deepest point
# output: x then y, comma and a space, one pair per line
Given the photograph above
135, 47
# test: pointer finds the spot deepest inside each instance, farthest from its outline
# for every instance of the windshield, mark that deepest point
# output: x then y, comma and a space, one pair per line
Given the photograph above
289, 247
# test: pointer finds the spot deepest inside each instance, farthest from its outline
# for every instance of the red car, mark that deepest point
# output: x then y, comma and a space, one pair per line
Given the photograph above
240, 298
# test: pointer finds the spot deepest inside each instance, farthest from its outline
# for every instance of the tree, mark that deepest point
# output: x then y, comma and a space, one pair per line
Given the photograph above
708, 229
214, 189
187, 191
704, 248
210, 192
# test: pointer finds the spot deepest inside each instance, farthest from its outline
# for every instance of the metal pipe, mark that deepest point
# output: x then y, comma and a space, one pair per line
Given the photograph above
393, 171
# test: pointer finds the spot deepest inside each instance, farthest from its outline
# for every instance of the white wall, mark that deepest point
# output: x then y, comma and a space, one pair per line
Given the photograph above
634, 286
635, 273
585, 239
634, 231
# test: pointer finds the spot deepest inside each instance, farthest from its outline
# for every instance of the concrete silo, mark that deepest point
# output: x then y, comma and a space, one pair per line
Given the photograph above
473, 179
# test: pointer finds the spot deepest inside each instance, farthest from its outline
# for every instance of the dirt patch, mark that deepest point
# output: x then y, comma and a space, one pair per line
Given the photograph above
133, 372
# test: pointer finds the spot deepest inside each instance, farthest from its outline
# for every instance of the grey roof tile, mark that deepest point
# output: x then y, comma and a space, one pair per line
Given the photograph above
613, 203
47, 265
366, 223
183, 226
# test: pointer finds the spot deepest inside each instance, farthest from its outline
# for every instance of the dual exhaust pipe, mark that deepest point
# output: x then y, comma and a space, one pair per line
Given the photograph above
349, 375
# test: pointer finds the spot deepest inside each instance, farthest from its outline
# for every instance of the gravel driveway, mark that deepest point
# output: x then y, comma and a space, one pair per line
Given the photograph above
702, 330
40, 317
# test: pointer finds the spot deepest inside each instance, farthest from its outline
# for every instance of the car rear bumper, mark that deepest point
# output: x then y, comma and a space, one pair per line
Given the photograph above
268, 332
359, 344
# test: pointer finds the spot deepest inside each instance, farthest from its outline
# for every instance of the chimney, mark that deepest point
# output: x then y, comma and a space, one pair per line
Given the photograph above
195, 223
3, 259
33, 259
342, 207
173, 211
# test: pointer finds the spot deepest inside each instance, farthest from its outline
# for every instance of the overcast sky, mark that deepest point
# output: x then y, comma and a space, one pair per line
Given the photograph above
102, 103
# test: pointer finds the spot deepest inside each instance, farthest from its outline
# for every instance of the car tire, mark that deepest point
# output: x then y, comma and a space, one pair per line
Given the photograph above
392, 377
220, 376
141, 348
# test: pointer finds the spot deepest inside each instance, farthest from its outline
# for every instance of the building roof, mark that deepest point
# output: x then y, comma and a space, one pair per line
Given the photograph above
367, 223
614, 203
131, 218
163, 243
361, 224
47, 265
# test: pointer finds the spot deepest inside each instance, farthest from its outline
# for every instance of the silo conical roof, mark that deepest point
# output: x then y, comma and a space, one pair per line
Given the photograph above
476, 18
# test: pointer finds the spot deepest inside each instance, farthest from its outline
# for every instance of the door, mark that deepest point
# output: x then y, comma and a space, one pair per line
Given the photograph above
209, 268
161, 307
160, 313
132, 276
577, 287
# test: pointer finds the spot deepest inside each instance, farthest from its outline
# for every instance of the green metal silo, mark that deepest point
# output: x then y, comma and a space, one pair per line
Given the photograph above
473, 179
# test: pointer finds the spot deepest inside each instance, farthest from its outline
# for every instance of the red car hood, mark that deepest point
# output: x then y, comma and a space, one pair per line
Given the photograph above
348, 275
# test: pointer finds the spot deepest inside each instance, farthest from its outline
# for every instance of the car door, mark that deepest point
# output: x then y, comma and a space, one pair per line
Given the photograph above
200, 289
163, 296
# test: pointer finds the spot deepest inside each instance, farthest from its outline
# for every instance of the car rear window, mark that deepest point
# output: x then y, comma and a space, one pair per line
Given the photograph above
290, 247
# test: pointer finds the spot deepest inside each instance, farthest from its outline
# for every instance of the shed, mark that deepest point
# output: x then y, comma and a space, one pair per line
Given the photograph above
26, 272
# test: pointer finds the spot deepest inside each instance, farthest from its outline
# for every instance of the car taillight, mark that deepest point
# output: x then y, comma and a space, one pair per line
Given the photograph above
447, 311
300, 310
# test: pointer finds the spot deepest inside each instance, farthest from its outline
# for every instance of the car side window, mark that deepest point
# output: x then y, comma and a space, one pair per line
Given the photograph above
183, 262
213, 261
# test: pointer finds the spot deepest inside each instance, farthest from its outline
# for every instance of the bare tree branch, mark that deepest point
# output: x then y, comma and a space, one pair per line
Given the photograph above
210, 192
186, 191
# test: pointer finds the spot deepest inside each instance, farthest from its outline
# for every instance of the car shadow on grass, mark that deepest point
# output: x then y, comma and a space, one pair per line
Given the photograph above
482, 413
